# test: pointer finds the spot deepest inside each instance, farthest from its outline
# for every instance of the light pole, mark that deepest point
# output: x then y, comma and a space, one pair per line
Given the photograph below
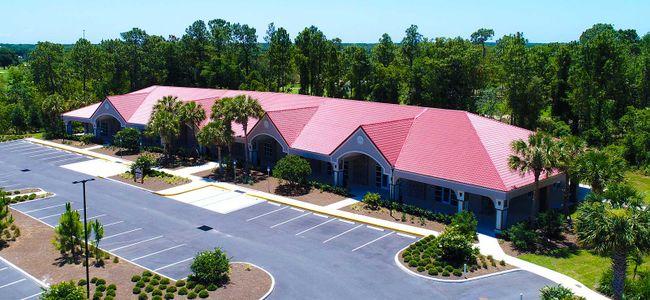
83, 184
268, 178
234, 171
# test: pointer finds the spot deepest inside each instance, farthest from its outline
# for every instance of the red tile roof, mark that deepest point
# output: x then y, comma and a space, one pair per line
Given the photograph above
447, 144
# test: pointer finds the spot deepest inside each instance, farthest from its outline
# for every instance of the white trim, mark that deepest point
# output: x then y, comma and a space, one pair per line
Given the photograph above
287, 221
368, 243
173, 264
158, 252
136, 243
121, 233
342, 233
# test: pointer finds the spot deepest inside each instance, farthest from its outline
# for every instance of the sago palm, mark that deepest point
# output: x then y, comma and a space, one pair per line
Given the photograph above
599, 168
615, 223
536, 156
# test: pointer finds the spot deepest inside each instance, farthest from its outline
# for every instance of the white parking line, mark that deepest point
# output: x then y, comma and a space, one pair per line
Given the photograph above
316, 226
15, 184
136, 243
114, 223
51, 152
368, 243
2, 269
273, 203
268, 213
169, 265
32, 296
374, 228
97, 216
287, 221
54, 215
346, 221
36, 150
405, 235
342, 233
61, 160
121, 233
44, 208
320, 215
17, 149
58, 156
158, 252
12, 283
297, 209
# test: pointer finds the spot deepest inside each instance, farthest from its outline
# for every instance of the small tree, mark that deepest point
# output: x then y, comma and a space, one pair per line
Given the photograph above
6, 219
372, 200
128, 138
98, 233
64, 290
557, 293
145, 162
210, 267
292, 168
69, 232
465, 222
455, 247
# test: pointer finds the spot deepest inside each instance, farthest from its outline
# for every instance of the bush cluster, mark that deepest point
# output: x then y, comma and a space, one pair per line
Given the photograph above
324, 187
210, 267
526, 236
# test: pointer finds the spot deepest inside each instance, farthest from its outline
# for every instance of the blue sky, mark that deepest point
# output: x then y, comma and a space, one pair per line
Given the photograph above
29, 21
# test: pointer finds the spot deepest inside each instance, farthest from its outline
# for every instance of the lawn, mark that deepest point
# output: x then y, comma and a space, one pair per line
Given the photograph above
640, 182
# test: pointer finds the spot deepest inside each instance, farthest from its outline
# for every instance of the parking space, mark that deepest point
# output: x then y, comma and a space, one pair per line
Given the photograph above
218, 200
14, 284
142, 246
41, 154
327, 231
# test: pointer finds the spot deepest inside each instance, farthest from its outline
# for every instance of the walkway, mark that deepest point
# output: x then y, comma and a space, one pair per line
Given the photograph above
487, 244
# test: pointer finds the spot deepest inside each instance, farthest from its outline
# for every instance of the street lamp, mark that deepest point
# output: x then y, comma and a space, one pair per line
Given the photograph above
234, 171
83, 184
268, 178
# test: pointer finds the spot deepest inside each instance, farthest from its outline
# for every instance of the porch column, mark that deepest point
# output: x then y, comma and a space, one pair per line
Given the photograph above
462, 204
501, 206
335, 173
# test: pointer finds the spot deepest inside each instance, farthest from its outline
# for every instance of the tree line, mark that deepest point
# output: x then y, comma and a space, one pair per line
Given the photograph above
595, 87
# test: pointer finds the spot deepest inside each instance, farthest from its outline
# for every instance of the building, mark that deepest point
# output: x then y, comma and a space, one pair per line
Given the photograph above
439, 159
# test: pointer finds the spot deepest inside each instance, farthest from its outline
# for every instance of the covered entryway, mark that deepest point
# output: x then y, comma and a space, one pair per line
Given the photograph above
106, 127
266, 151
361, 173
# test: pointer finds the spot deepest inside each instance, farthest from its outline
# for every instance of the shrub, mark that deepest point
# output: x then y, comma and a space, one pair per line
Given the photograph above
146, 162
140, 283
212, 287
112, 286
63, 290
556, 293
182, 291
550, 223
156, 297
149, 288
146, 273
465, 222
203, 294
292, 168
154, 281
432, 272
455, 248
146, 278
93, 280
136, 290
164, 281
502, 262
372, 200
169, 295
210, 267
32, 196
97, 295
86, 139
116, 260
156, 292
162, 287
191, 295
110, 293
135, 278
109, 297
457, 272
420, 269
199, 287
180, 283
171, 289
445, 273
156, 277
101, 288
81, 282
191, 284
128, 138
101, 281
523, 237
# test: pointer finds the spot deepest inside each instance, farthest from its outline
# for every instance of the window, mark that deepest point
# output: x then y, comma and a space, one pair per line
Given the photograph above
378, 176
444, 195
103, 128
384, 180
437, 193
329, 168
268, 149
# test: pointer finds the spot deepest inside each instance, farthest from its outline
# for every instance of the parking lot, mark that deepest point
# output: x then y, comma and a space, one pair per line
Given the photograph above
142, 246
16, 285
310, 255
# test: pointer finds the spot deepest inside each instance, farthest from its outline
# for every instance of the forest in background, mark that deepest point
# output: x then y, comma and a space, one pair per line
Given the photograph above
596, 87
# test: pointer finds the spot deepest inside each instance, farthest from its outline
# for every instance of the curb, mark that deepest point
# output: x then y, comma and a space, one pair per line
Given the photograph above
410, 272
268, 293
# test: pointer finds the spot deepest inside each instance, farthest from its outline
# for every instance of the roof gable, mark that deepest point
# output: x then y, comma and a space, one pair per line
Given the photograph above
389, 137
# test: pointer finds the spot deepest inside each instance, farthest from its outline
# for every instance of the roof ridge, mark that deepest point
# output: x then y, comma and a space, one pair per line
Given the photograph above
406, 138
503, 184
295, 108
385, 122
495, 120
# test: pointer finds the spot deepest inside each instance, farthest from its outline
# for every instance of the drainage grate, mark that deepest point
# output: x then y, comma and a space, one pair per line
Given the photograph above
240, 191
204, 228
25, 170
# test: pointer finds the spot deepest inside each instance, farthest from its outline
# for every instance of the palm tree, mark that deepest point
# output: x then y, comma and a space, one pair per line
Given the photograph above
216, 133
165, 121
192, 114
244, 108
537, 155
599, 168
615, 223
568, 148
53, 106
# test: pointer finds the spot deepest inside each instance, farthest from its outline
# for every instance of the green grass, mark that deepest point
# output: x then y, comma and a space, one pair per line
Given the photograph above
640, 182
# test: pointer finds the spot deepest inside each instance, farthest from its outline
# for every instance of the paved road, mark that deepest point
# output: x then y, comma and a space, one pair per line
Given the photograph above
336, 260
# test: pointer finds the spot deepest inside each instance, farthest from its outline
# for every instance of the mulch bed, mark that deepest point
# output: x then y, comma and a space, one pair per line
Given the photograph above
150, 183
34, 253
272, 185
244, 284
384, 214
566, 244
478, 272
116, 152
72, 143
